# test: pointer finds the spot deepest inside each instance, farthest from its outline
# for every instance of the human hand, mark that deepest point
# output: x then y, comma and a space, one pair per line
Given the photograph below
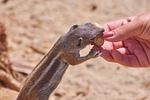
127, 41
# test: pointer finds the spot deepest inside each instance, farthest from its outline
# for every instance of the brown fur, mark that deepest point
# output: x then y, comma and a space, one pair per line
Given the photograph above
48, 73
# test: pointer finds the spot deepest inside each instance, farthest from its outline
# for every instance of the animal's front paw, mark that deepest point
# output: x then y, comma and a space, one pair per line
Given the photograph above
94, 54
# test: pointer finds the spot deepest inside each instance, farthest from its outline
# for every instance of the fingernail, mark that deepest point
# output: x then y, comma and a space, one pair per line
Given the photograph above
108, 34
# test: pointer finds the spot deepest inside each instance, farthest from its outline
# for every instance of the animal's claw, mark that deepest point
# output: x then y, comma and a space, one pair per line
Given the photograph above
94, 54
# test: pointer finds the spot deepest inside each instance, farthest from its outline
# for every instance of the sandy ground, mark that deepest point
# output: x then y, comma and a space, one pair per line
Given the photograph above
34, 25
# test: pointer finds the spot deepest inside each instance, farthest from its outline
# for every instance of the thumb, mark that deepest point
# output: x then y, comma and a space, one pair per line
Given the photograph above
122, 32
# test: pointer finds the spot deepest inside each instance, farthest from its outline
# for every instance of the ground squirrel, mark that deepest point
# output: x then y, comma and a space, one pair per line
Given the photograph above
48, 73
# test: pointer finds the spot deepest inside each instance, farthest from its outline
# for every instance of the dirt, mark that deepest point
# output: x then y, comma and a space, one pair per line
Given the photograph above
33, 26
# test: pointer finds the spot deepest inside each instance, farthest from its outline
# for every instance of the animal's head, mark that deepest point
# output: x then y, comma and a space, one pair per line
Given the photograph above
79, 36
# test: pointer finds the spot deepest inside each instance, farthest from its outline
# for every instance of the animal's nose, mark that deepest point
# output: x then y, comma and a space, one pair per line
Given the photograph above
101, 30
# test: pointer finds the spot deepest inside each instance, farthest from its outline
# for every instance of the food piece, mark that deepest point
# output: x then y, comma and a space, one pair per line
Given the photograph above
98, 41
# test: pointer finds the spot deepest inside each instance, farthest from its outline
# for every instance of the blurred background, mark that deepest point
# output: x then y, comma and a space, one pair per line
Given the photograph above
33, 26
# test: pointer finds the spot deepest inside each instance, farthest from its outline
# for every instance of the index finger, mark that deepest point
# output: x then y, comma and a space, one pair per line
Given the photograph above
114, 24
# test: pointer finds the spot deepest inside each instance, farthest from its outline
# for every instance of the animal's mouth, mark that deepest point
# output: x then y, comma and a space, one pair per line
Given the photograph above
95, 36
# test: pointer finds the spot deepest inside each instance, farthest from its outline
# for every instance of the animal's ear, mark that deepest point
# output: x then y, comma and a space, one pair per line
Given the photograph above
73, 27
80, 41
